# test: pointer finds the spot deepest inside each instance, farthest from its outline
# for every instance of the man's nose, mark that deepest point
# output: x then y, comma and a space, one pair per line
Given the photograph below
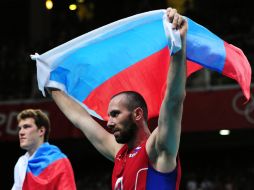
21, 131
110, 123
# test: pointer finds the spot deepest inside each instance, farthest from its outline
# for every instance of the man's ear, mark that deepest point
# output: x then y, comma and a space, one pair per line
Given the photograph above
42, 131
138, 114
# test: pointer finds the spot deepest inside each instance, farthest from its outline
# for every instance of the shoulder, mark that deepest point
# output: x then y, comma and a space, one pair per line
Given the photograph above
122, 151
50, 152
23, 159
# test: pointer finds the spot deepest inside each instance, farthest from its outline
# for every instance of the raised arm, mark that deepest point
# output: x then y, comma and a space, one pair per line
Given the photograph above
162, 146
103, 141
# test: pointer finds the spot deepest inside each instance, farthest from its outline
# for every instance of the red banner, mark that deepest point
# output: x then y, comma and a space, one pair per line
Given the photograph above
218, 109
203, 111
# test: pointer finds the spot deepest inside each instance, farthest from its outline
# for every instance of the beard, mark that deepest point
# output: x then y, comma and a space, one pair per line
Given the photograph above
127, 133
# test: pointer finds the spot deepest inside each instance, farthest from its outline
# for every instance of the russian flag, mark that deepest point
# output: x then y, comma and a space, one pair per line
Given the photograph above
49, 169
133, 54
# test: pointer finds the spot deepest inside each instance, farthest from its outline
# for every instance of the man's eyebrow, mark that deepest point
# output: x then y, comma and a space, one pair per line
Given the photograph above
25, 125
114, 111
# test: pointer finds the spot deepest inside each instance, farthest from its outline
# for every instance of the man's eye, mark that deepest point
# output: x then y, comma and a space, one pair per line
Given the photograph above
114, 113
26, 126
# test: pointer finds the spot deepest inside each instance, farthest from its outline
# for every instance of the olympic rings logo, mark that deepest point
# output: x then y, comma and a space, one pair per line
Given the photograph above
247, 111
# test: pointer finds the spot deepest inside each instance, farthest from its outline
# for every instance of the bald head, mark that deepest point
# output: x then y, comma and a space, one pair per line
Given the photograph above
133, 100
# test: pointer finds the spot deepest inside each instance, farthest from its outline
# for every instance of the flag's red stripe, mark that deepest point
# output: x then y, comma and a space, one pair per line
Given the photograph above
235, 65
135, 78
58, 175
192, 67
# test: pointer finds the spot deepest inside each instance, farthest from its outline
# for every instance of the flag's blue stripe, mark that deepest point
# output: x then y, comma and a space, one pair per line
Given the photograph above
45, 155
204, 47
93, 65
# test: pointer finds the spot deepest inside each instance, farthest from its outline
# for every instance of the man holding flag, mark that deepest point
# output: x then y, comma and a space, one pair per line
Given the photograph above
143, 160
43, 166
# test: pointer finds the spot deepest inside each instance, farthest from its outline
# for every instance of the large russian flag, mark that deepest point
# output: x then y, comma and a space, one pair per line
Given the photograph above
133, 54
49, 169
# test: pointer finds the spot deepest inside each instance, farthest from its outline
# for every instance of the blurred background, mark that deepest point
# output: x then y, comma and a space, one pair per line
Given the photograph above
217, 142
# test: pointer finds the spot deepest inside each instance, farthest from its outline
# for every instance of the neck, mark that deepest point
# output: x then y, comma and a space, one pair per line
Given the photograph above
34, 148
142, 135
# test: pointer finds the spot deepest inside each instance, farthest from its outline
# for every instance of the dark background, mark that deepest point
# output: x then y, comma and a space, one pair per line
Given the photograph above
27, 27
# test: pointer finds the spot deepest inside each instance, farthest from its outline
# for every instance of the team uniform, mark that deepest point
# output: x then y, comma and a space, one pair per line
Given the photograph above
132, 171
